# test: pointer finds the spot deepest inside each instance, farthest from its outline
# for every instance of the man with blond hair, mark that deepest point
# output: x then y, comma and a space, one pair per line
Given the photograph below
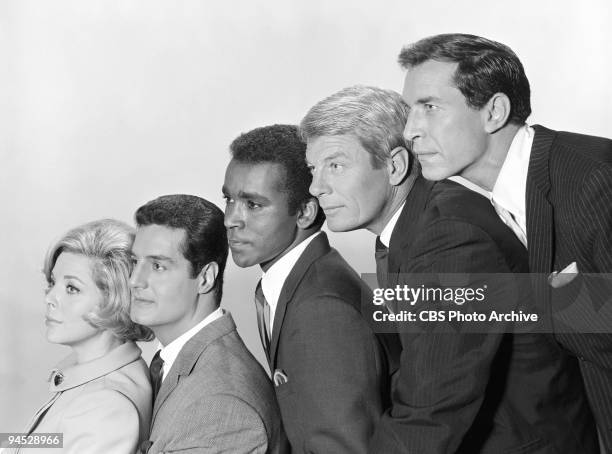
481, 392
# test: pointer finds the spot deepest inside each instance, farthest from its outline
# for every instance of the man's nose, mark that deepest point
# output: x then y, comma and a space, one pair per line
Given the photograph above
138, 278
233, 216
413, 128
319, 185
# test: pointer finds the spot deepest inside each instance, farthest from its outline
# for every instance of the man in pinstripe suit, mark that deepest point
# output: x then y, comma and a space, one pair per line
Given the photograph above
469, 99
456, 392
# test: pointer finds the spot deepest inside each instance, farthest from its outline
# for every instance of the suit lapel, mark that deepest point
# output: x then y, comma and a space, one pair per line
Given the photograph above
404, 231
539, 211
317, 248
188, 356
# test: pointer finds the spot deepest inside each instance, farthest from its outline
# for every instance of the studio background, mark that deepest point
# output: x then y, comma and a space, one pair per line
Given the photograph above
105, 105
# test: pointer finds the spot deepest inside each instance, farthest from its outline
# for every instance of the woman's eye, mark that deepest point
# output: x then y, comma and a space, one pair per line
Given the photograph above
71, 289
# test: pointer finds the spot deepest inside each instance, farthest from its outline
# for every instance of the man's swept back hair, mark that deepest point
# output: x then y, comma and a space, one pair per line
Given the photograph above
280, 144
205, 235
485, 67
375, 116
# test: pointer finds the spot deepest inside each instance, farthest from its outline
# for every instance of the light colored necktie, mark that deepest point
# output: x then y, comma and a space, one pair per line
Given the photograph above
263, 318
510, 221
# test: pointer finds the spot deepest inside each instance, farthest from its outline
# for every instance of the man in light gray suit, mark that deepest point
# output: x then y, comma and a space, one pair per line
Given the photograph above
210, 394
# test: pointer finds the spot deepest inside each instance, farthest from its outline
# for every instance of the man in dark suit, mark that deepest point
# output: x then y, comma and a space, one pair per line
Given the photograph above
329, 368
469, 99
484, 392
210, 394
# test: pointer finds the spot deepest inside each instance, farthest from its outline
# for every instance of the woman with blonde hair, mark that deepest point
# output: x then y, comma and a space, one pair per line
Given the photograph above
101, 395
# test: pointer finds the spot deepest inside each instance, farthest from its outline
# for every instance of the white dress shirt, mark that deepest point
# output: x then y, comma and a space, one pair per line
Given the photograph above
385, 235
172, 350
511, 185
272, 281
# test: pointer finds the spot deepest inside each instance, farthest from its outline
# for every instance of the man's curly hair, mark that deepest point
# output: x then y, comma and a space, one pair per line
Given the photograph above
279, 144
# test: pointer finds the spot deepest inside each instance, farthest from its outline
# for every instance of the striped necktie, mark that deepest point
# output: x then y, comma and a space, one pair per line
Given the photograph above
263, 319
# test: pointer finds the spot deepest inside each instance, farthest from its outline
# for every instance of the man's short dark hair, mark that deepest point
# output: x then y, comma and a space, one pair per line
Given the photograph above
485, 67
280, 144
202, 221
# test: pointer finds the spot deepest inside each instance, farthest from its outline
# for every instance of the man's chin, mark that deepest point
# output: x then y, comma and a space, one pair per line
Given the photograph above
340, 226
434, 174
241, 261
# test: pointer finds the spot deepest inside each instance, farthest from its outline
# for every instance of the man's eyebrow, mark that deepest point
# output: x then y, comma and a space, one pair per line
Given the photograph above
335, 155
157, 257
160, 257
427, 99
252, 195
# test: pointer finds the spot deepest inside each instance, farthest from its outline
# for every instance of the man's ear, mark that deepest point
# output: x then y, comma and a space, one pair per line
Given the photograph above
398, 165
307, 213
207, 277
496, 112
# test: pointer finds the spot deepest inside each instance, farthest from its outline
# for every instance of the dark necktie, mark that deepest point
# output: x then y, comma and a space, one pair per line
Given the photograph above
382, 263
156, 372
263, 319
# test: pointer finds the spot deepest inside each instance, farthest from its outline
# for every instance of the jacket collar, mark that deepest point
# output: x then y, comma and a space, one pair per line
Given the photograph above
539, 212
317, 248
68, 374
405, 229
190, 353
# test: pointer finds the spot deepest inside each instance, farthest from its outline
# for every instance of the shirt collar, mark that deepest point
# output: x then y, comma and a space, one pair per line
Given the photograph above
69, 374
510, 186
272, 281
385, 235
170, 352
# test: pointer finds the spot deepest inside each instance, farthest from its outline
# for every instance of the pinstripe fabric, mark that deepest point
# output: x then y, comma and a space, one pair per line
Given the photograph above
569, 219
475, 393
216, 398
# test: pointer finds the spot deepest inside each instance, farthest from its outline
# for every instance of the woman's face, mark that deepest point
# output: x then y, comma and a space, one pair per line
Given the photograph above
71, 294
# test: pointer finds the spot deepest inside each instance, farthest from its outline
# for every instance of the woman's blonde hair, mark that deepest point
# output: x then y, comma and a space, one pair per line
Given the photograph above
107, 244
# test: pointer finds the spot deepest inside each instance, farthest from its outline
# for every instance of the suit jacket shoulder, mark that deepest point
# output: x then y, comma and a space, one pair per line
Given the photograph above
102, 406
216, 398
595, 150
449, 218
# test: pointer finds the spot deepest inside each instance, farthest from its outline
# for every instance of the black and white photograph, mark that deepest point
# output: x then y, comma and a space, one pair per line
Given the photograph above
324, 227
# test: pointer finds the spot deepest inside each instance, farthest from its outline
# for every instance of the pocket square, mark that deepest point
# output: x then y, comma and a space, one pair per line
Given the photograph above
565, 276
280, 378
